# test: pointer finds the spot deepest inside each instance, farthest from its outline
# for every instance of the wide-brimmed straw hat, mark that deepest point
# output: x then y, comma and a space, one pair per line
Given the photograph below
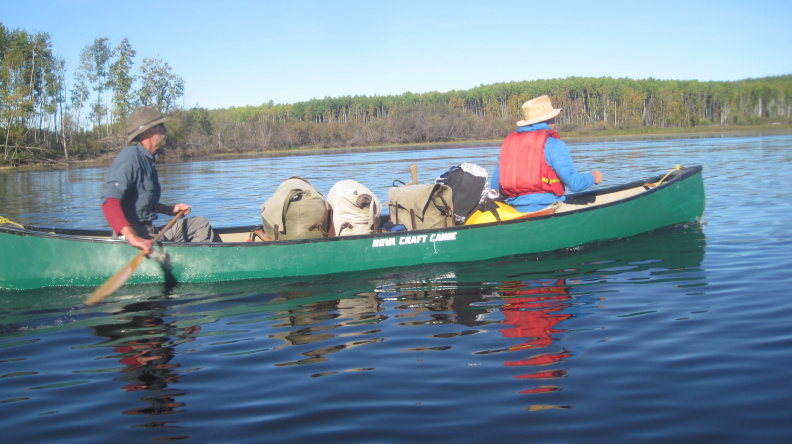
142, 119
538, 110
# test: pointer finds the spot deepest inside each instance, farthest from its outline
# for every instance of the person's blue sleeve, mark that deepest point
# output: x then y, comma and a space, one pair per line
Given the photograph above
559, 159
495, 181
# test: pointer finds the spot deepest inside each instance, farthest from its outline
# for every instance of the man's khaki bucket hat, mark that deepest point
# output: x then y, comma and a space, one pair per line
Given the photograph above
142, 119
537, 110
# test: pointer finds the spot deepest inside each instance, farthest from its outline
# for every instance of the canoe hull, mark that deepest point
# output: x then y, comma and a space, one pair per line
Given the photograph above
33, 259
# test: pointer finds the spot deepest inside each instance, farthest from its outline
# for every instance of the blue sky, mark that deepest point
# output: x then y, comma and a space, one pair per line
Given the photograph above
244, 52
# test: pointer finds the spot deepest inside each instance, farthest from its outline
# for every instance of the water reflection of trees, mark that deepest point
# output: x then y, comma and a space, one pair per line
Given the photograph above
312, 319
144, 344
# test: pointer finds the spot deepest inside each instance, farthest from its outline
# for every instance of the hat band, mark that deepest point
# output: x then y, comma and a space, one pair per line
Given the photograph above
129, 133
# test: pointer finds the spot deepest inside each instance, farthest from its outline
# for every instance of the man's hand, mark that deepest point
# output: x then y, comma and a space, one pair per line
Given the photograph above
180, 206
597, 177
136, 241
171, 211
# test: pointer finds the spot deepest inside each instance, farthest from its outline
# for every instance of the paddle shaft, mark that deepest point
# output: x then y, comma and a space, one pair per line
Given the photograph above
164, 229
117, 280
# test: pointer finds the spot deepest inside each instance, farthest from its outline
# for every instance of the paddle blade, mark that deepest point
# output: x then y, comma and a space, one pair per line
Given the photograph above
115, 282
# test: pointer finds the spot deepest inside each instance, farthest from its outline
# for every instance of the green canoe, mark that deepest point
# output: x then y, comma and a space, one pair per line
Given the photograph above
44, 257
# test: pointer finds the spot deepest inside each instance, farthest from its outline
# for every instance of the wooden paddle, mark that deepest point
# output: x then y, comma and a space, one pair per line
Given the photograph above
117, 280
414, 174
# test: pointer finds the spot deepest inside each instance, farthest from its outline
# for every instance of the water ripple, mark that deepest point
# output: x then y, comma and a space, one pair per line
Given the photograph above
677, 335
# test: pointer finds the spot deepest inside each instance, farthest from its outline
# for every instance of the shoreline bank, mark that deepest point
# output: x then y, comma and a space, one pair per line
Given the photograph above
572, 136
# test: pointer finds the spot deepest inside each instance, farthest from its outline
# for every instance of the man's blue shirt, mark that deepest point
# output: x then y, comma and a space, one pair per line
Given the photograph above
133, 180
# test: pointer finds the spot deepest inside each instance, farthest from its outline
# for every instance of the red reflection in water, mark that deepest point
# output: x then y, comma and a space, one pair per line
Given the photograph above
533, 314
145, 347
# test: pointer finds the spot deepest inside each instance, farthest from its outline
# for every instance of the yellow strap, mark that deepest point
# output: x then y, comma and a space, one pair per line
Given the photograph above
550, 181
4, 221
676, 168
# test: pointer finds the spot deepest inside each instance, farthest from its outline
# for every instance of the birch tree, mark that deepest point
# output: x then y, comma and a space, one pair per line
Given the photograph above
100, 53
16, 105
159, 87
80, 91
121, 79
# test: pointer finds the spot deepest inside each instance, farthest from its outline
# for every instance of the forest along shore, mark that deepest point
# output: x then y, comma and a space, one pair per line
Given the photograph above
572, 136
48, 122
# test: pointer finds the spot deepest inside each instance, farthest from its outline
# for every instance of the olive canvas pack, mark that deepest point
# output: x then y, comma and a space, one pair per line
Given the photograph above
421, 206
296, 211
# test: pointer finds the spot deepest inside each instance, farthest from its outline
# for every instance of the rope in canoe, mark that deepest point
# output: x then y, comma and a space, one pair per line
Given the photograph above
4, 220
676, 168
652, 185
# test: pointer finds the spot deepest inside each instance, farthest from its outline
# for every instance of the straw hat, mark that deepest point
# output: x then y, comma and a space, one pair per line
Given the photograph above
142, 119
537, 110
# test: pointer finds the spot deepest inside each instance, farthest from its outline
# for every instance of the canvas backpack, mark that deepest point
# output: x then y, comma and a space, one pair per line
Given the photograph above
296, 211
421, 206
469, 183
356, 210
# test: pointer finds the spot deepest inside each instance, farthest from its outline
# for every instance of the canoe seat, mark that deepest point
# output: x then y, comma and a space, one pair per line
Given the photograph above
576, 203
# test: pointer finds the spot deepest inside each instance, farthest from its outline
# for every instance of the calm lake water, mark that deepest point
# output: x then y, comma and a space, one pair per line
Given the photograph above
681, 335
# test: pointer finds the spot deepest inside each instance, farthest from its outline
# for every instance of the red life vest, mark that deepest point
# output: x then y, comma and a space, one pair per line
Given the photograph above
523, 168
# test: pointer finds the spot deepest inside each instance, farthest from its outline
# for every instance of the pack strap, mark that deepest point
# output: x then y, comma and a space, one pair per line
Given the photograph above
258, 232
343, 226
318, 226
445, 208
492, 207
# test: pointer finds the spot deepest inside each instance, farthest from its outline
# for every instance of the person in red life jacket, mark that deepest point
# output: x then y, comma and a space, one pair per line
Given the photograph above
534, 166
131, 192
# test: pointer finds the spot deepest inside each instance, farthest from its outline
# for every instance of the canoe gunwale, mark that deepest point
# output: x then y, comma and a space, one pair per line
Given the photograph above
103, 236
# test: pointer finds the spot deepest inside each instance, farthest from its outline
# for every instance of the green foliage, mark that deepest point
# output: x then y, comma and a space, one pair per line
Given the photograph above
160, 87
121, 80
99, 54
587, 102
489, 112
30, 83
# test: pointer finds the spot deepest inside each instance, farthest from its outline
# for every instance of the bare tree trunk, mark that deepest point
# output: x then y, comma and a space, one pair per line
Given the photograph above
63, 132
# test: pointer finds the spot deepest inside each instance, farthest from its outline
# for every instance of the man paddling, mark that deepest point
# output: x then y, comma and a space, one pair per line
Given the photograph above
534, 166
131, 192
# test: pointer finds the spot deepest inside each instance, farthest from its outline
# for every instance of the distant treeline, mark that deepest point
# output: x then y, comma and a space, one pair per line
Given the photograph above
42, 119
486, 112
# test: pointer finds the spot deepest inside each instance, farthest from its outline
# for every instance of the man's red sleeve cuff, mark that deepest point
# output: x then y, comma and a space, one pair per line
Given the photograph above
114, 214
